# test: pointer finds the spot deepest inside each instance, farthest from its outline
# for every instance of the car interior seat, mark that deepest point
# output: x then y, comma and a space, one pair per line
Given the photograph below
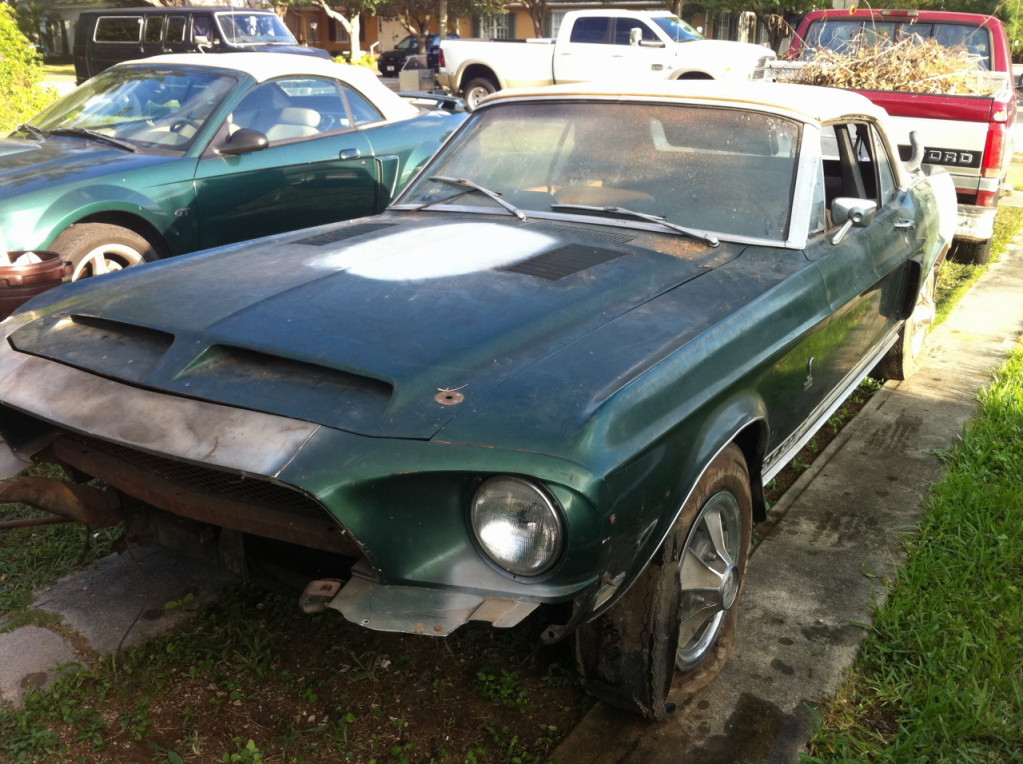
294, 122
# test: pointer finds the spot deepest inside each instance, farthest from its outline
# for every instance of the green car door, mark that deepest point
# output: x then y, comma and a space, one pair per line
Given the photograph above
316, 168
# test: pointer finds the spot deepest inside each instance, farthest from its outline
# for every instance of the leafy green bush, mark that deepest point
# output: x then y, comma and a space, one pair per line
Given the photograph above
367, 59
21, 74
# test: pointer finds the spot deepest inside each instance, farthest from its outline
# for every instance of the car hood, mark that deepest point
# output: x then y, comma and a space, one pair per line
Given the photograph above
387, 326
27, 165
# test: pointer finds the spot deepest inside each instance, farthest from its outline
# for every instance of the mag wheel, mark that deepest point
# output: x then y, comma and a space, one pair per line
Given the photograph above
671, 632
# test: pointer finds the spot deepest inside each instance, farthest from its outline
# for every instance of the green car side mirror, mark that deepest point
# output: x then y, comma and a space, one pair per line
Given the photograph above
243, 141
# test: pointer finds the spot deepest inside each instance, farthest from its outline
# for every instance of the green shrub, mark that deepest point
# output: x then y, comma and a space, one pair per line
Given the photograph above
367, 59
21, 74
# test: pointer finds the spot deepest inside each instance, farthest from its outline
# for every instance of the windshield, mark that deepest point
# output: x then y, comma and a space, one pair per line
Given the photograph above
838, 35
143, 106
726, 170
254, 28
677, 29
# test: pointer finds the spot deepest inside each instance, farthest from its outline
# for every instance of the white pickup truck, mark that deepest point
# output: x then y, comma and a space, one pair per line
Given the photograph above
595, 45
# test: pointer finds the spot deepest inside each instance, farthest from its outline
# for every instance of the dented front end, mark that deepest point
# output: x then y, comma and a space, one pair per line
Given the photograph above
286, 503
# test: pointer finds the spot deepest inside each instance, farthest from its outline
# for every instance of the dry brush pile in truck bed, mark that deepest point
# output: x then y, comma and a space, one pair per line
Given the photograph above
912, 65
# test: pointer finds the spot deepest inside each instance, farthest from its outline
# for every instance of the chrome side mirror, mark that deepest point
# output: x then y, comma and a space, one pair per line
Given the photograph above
850, 212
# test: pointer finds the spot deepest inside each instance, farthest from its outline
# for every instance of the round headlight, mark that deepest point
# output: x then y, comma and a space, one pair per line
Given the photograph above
517, 525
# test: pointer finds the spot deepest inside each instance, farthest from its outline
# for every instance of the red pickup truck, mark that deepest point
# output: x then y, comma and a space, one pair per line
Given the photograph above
968, 135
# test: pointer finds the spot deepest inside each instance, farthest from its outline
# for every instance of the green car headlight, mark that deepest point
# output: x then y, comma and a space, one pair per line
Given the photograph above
518, 525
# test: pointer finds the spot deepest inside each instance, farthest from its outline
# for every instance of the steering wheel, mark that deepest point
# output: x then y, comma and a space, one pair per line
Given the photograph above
180, 124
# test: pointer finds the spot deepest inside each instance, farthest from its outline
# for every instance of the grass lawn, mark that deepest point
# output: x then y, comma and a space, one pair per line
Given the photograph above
940, 677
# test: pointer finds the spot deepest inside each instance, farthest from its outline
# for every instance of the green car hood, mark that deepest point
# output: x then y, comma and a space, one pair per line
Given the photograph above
49, 165
388, 326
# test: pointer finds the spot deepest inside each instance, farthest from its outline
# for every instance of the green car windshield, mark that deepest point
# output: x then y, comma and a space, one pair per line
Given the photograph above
147, 107
726, 170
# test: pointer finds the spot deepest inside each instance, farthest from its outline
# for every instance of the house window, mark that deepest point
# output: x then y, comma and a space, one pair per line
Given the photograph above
338, 33
496, 27
556, 18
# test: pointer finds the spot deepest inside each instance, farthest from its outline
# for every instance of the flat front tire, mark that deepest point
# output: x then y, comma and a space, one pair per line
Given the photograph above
672, 631
97, 248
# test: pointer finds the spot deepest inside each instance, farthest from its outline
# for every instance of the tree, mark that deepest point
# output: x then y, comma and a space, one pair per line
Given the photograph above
349, 16
416, 15
21, 74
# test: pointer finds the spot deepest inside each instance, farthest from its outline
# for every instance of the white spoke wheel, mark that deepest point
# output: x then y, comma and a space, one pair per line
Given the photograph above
672, 631
97, 248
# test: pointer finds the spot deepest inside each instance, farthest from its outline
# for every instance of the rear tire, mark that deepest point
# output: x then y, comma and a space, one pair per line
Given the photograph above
97, 248
903, 359
672, 631
476, 90
970, 252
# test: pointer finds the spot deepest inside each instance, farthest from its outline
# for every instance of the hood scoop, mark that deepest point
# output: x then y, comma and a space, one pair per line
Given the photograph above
563, 262
592, 232
224, 372
98, 344
345, 232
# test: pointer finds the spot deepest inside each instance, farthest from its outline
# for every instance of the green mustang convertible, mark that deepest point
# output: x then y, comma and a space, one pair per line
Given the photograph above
177, 153
555, 375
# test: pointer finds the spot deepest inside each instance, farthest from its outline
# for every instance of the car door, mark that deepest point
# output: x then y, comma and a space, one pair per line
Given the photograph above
318, 167
867, 271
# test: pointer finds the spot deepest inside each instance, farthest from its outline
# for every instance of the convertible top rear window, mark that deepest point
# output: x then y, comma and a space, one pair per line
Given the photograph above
725, 170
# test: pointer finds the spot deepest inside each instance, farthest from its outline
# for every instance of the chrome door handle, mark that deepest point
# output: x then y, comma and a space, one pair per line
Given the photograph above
349, 154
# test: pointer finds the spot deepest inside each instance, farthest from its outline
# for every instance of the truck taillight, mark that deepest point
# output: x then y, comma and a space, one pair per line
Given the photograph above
440, 58
991, 164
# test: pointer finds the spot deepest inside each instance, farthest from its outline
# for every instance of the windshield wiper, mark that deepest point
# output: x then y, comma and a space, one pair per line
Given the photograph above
466, 183
660, 220
32, 130
83, 132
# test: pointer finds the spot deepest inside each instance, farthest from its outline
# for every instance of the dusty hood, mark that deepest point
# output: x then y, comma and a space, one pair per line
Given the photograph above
362, 326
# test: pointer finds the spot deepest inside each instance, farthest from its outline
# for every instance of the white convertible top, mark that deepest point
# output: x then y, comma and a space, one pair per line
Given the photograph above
807, 103
268, 66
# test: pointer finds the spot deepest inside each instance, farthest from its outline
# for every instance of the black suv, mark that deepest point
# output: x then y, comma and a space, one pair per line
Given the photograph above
104, 38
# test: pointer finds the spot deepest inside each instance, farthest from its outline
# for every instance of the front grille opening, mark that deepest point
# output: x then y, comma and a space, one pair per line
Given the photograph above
220, 498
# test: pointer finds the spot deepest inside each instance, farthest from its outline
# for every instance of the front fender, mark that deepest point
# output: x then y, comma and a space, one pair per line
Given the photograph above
173, 214
651, 490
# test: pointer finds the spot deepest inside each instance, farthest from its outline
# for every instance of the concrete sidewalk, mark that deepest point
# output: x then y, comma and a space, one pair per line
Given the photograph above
829, 551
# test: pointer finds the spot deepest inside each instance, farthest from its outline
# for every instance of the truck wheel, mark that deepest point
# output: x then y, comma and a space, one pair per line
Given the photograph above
903, 358
98, 248
971, 252
673, 629
476, 90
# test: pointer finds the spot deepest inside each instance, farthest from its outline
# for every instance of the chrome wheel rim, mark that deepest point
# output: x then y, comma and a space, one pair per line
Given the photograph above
107, 259
709, 577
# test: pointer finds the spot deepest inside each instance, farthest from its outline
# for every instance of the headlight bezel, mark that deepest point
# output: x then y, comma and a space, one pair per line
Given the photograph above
551, 509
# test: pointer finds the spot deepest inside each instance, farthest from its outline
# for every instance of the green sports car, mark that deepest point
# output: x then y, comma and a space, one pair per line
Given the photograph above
173, 154
554, 375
